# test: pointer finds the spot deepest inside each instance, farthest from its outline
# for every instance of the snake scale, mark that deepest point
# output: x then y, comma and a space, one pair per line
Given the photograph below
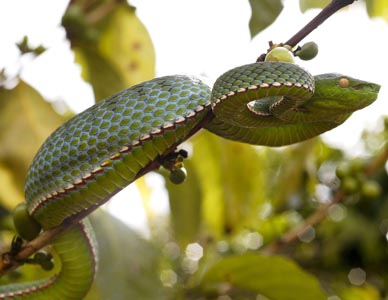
103, 149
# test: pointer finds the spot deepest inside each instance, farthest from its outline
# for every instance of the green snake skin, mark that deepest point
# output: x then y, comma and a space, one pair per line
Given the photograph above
103, 149
244, 83
330, 106
77, 251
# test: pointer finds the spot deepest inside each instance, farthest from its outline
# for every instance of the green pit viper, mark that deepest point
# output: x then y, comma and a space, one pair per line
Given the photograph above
105, 148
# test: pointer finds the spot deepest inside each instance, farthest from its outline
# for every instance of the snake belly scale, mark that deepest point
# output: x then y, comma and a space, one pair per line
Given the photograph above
103, 149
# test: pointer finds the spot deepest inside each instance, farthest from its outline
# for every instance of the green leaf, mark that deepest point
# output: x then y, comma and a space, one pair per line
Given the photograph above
128, 264
274, 277
290, 166
264, 13
305, 5
185, 205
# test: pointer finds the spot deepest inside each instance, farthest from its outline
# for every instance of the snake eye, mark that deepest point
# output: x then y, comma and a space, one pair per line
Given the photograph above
344, 82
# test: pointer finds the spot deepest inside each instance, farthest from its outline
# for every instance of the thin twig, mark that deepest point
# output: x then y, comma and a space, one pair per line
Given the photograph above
319, 215
293, 235
325, 13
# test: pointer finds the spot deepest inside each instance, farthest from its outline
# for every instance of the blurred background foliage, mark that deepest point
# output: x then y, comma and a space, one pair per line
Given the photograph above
223, 236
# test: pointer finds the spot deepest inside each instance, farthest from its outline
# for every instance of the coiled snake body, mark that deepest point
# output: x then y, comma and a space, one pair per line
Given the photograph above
103, 149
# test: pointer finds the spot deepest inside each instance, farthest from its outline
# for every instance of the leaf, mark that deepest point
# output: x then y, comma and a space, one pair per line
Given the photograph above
305, 5
24, 47
114, 49
102, 75
12, 194
128, 264
377, 8
264, 13
274, 277
365, 292
185, 206
26, 120
231, 182
125, 43
288, 168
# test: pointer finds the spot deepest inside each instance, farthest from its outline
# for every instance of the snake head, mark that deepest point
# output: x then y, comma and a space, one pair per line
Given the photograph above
336, 93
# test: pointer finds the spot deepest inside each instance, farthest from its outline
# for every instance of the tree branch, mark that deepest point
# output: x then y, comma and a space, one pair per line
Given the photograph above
325, 13
319, 215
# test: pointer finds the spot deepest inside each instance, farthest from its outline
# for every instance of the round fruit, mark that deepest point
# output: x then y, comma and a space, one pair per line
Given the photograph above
178, 176
26, 226
370, 189
307, 51
280, 54
349, 185
357, 165
342, 170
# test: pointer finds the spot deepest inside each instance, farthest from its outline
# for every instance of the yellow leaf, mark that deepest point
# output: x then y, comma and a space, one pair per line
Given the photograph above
117, 55
378, 8
145, 193
185, 205
9, 194
102, 75
125, 43
232, 182
26, 120
365, 292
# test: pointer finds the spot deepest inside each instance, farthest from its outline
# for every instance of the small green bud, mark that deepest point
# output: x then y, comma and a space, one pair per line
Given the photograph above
349, 185
342, 170
370, 189
26, 226
357, 165
45, 260
47, 265
307, 51
178, 176
39, 50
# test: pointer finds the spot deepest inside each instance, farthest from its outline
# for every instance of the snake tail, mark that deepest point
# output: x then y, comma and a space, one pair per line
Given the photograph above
77, 251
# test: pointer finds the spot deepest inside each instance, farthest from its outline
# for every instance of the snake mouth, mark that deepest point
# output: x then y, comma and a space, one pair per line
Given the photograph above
262, 107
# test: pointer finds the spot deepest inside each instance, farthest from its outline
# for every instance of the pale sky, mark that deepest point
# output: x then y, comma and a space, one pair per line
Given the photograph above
203, 37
